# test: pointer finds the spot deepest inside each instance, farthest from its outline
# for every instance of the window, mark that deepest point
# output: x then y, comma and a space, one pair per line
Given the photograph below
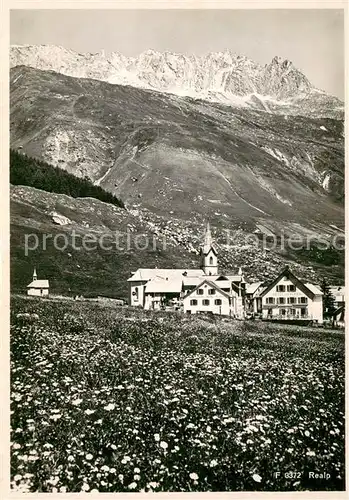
281, 300
205, 302
303, 311
135, 293
200, 291
291, 300
211, 291
211, 261
291, 288
218, 302
280, 288
193, 302
270, 300
303, 300
283, 312
293, 312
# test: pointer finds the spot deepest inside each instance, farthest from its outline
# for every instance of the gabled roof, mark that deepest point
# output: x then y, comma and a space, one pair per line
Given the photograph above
221, 277
205, 250
226, 277
251, 288
311, 293
236, 278
38, 284
146, 274
163, 285
192, 280
313, 288
211, 283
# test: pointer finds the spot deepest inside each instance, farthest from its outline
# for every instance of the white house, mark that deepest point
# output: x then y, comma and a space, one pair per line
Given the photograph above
38, 288
338, 293
287, 297
253, 300
150, 288
207, 297
157, 288
163, 291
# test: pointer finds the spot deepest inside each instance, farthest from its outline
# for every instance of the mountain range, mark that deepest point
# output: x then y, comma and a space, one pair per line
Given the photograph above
218, 76
258, 168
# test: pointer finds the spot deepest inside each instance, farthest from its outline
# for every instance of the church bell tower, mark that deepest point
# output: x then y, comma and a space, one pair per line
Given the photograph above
208, 254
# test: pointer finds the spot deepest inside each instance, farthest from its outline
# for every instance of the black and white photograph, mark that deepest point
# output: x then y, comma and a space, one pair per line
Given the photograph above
177, 250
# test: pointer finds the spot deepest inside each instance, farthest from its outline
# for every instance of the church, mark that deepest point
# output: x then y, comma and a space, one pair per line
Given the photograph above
202, 290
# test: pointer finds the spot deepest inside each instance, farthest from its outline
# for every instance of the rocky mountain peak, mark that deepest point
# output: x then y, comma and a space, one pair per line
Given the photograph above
221, 75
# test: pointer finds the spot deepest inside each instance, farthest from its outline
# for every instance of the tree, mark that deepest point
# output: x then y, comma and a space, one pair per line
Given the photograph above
328, 300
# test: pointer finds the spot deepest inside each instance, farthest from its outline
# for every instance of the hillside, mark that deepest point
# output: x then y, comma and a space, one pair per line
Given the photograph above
92, 272
175, 162
28, 171
179, 155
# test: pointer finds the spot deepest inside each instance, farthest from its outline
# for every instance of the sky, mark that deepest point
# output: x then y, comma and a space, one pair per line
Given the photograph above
312, 39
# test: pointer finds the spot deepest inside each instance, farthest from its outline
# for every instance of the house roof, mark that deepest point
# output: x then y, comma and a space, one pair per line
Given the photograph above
236, 278
315, 289
163, 285
309, 290
251, 288
147, 274
211, 283
192, 280
38, 284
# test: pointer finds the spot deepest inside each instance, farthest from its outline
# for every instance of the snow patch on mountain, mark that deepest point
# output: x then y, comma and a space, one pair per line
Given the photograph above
276, 154
326, 182
221, 72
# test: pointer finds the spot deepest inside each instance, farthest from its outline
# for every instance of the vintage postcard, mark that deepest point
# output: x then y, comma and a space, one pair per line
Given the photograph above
177, 287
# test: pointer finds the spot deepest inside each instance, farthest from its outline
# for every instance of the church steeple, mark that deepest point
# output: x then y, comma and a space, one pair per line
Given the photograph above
35, 276
208, 254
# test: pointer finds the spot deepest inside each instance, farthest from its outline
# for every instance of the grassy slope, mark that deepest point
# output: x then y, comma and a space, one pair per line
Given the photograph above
272, 396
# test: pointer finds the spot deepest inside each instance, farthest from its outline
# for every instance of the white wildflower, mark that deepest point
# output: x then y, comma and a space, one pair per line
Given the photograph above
109, 407
76, 402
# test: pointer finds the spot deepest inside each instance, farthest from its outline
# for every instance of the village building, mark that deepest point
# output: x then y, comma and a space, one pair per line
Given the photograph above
180, 288
154, 288
253, 299
288, 298
338, 293
38, 288
206, 290
338, 317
